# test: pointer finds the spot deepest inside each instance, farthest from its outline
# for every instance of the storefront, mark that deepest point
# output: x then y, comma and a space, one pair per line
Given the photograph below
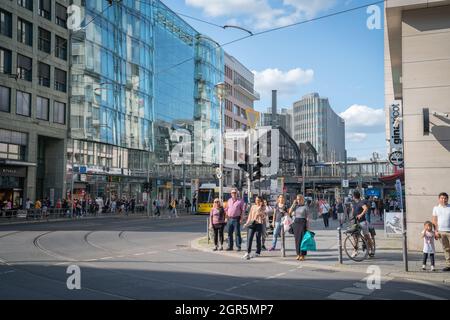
12, 182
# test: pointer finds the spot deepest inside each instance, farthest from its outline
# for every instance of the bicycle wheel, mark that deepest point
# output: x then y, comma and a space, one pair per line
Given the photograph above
356, 248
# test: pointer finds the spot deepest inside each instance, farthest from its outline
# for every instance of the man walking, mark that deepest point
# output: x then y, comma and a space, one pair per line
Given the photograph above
235, 213
441, 222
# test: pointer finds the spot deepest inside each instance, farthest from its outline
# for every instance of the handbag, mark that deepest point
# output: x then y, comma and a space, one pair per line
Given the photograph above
291, 229
308, 242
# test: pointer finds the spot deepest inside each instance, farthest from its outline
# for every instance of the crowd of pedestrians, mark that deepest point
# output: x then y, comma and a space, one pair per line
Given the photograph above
258, 217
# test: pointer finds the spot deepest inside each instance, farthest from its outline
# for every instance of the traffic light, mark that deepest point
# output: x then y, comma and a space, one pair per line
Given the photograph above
147, 186
246, 165
256, 172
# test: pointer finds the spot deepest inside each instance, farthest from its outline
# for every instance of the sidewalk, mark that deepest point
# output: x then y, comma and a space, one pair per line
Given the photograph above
388, 257
165, 214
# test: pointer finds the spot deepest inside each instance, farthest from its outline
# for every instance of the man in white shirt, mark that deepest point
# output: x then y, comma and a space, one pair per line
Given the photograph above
441, 222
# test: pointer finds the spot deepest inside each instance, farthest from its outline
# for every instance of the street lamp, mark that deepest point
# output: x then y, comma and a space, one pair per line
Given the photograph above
221, 92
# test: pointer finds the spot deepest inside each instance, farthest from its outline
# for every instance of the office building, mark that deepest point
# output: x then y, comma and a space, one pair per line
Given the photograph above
315, 121
240, 83
33, 99
417, 72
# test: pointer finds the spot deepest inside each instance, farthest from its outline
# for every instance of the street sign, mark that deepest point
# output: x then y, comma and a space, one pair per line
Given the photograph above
396, 158
236, 134
345, 183
252, 117
218, 173
396, 126
83, 169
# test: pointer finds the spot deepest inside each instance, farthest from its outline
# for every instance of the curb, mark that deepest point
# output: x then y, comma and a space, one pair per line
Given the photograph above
337, 267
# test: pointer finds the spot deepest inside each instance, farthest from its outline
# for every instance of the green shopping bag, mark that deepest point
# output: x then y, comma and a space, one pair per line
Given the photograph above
308, 242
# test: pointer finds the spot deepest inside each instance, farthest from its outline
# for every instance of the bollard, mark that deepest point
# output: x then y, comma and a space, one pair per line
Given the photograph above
405, 251
207, 229
340, 244
283, 242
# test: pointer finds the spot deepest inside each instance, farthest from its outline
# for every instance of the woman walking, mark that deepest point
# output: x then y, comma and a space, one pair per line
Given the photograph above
300, 212
280, 211
217, 223
255, 221
269, 211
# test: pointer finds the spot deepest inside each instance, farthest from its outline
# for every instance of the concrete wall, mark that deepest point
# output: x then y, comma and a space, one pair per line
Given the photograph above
425, 37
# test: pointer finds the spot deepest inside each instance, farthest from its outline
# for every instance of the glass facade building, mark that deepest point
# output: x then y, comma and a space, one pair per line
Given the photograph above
111, 101
138, 71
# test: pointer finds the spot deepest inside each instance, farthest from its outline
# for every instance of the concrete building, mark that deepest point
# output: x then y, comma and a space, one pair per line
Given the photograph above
315, 121
417, 72
240, 83
33, 99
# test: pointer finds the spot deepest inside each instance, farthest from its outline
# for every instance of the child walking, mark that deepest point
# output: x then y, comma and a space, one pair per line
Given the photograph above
428, 244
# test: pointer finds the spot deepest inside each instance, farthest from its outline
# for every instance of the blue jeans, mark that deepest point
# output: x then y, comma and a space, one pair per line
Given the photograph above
276, 234
234, 224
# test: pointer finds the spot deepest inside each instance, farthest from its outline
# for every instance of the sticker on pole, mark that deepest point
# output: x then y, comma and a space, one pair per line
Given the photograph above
218, 173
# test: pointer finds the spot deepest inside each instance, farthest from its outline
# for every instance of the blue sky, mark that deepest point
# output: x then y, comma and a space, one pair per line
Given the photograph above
338, 57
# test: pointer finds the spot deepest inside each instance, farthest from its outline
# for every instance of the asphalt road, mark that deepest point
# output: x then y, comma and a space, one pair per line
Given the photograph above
140, 258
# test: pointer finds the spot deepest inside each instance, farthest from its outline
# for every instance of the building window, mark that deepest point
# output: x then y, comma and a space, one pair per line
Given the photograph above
24, 67
12, 145
5, 99
27, 4
5, 23
61, 48
60, 80
23, 103
59, 112
5, 61
44, 41
45, 9
42, 106
61, 15
44, 74
24, 32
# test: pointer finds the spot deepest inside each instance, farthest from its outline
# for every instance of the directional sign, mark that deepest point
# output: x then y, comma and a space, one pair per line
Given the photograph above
396, 158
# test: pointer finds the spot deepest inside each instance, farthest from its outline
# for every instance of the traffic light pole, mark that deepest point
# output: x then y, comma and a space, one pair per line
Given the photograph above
250, 166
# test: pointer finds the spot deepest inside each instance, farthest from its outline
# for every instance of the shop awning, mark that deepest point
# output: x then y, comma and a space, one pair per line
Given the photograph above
392, 178
18, 163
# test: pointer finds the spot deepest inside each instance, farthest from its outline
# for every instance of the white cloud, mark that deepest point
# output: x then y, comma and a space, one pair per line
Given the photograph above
285, 82
356, 136
363, 119
259, 14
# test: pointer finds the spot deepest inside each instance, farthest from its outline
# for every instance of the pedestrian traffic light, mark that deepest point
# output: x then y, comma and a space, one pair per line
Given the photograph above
256, 172
147, 186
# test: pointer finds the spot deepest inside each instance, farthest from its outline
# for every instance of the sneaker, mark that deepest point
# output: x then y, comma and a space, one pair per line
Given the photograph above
446, 269
298, 258
229, 249
256, 255
432, 268
215, 249
221, 248
246, 256
302, 258
272, 249
238, 249
424, 267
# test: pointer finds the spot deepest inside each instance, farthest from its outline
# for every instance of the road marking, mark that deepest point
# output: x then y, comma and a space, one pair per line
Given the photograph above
231, 289
6, 272
344, 296
424, 295
280, 274
362, 291
120, 256
106, 258
151, 252
138, 254
172, 249
443, 287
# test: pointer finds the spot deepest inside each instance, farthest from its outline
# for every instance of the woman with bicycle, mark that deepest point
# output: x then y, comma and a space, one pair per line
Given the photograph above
300, 212
360, 211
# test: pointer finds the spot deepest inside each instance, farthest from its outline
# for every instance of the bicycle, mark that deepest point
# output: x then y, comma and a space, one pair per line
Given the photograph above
355, 243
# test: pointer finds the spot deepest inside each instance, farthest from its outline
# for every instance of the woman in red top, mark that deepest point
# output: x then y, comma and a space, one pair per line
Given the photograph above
217, 223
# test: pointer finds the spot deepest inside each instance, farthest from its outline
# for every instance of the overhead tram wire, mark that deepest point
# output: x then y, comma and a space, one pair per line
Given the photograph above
272, 29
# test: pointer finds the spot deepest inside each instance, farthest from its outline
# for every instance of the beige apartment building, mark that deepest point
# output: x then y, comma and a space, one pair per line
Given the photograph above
417, 72
242, 95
